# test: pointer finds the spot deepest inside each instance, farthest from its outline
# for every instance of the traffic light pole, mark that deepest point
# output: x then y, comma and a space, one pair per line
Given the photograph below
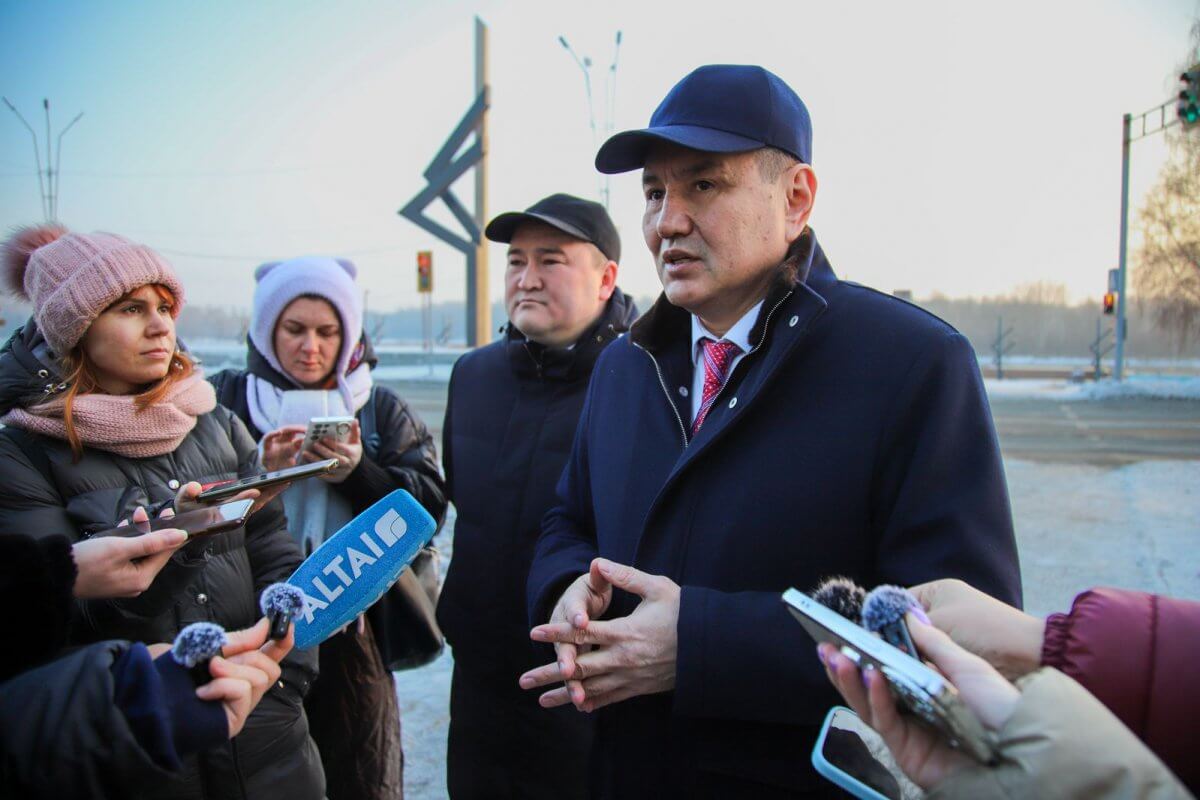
1149, 125
1119, 356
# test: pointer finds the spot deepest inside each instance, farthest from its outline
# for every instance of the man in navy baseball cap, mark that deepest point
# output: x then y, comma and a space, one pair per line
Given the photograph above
764, 425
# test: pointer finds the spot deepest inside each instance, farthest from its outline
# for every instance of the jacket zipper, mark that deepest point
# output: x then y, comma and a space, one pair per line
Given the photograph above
666, 392
663, 383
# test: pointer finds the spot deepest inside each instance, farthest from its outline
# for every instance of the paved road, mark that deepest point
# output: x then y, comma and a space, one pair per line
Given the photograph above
1103, 433
1111, 432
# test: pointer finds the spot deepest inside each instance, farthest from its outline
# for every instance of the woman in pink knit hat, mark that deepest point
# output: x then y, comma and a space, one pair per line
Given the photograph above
104, 413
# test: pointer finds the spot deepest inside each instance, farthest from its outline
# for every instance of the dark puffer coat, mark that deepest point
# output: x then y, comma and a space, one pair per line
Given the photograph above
216, 578
100, 721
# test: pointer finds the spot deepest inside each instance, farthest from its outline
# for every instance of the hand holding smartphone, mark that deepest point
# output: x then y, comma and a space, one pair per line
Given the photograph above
199, 522
922, 690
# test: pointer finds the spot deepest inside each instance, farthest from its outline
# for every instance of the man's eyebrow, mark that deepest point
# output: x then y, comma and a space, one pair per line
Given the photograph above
700, 167
550, 251
708, 165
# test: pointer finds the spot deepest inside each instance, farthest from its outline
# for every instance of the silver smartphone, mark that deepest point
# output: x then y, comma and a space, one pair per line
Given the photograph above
336, 428
922, 690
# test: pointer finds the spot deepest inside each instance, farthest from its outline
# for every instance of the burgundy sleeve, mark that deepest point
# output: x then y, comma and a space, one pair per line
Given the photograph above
1136, 652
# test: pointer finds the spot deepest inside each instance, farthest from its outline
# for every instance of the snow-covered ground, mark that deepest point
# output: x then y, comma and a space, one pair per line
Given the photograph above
1167, 387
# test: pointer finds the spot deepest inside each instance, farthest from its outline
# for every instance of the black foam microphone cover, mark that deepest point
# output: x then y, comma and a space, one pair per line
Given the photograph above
841, 595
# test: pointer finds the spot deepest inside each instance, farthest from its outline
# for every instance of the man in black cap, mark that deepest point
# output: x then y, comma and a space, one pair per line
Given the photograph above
511, 416
764, 425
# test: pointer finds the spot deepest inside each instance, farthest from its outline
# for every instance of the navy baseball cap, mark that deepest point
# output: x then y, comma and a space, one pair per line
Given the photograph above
718, 108
574, 216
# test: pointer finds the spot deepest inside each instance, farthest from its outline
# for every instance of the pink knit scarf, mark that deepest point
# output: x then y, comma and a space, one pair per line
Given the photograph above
112, 423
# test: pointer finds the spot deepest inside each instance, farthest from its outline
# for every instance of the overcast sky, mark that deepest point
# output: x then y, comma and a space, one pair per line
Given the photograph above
962, 147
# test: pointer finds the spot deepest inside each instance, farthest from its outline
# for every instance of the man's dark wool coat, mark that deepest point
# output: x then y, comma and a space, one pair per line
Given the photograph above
854, 439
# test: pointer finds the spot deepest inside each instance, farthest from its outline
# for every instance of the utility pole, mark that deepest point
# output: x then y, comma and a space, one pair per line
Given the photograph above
610, 101
1145, 124
477, 279
49, 178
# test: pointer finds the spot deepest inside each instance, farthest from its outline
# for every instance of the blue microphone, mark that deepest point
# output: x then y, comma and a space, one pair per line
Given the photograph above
354, 567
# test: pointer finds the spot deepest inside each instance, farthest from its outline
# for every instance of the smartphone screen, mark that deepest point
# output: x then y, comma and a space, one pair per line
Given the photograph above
852, 755
201, 522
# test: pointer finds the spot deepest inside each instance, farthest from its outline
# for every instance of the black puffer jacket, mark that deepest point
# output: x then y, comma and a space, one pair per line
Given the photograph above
510, 420
403, 457
216, 578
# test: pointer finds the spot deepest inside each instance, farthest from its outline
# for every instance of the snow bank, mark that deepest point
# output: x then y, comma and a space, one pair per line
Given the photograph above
1164, 387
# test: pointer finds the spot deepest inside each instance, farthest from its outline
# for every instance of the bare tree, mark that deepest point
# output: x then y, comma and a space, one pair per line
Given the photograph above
1168, 270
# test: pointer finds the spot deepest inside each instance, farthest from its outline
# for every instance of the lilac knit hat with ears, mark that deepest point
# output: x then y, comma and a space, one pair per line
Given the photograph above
71, 278
281, 282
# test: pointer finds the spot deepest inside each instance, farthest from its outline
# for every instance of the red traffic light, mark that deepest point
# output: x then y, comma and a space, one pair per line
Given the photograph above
1110, 302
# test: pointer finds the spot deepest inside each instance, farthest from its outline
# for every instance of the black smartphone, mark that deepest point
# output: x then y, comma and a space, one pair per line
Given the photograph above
266, 479
201, 522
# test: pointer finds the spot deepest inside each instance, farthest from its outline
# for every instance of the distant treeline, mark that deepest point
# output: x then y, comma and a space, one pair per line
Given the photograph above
1043, 323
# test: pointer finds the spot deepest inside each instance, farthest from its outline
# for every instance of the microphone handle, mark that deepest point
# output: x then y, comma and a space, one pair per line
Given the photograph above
279, 624
896, 634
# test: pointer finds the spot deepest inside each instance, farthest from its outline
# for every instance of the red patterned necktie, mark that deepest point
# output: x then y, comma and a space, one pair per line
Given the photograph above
717, 358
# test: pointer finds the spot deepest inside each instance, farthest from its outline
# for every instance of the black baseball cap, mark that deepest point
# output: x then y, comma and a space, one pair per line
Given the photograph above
719, 108
572, 215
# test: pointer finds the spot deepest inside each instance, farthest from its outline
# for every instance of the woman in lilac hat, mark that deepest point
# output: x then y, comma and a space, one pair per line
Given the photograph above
308, 357
103, 413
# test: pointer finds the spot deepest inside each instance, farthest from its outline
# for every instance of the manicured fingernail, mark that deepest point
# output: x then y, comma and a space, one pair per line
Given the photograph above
821, 654
866, 677
540, 635
580, 620
525, 681
920, 614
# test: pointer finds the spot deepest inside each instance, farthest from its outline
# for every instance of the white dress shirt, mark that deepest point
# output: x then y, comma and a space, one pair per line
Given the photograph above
739, 334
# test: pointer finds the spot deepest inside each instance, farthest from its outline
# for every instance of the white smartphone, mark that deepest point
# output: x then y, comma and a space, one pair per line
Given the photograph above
922, 690
336, 428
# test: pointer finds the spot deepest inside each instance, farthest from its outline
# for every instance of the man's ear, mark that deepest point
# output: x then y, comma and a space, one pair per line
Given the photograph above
800, 193
608, 280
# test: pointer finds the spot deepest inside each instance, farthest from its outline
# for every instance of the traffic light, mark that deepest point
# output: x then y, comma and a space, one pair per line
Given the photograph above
424, 271
1110, 302
1189, 97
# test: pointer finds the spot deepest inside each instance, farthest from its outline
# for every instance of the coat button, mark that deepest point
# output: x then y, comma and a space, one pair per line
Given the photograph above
172, 484
683, 392
43, 373
792, 322
733, 402
202, 599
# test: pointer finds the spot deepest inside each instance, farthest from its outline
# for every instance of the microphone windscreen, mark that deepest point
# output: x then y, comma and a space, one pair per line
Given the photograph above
198, 642
887, 604
841, 595
282, 598
354, 567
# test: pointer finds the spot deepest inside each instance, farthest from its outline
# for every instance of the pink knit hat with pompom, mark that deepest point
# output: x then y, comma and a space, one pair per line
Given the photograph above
70, 278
